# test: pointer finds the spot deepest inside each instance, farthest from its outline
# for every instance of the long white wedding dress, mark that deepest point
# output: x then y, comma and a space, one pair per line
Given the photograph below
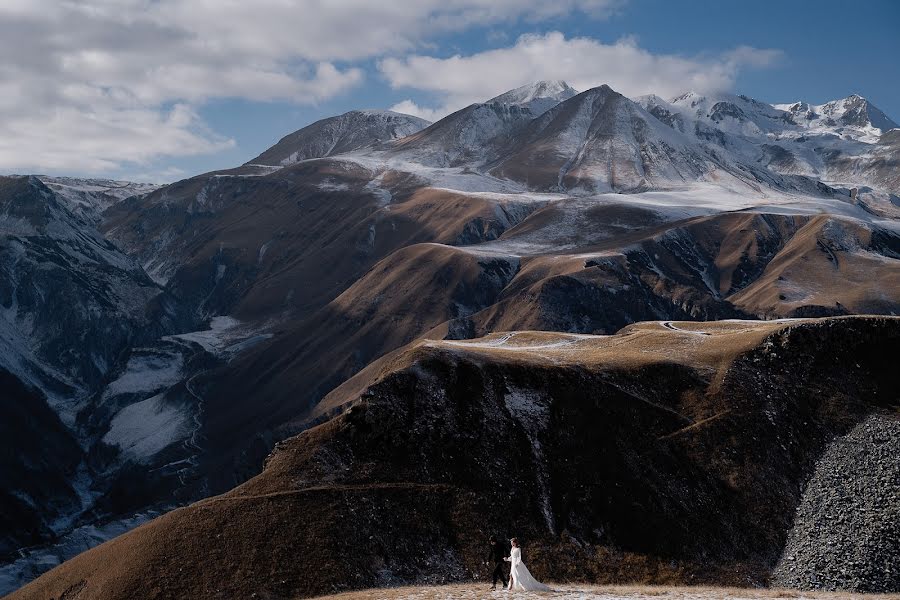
520, 578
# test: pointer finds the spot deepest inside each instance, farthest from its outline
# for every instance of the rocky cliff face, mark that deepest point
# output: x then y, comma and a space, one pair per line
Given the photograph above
674, 452
63, 281
40, 464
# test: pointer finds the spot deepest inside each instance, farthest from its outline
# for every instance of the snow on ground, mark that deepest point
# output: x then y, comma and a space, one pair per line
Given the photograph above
143, 429
92, 196
375, 188
81, 483
262, 169
330, 185
225, 336
507, 197
147, 373
482, 591
461, 179
576, 225
17, 356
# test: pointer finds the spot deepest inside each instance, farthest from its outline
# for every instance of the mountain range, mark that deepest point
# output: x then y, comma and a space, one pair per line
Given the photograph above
321, 311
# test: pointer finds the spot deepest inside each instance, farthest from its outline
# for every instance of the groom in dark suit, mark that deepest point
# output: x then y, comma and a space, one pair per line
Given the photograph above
497, 554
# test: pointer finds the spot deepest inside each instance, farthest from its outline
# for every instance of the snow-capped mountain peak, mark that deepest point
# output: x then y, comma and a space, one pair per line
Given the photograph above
854, 112
731, 113
538, 97
336, 135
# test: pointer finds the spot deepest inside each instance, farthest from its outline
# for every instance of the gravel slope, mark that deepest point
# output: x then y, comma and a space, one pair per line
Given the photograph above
846, 533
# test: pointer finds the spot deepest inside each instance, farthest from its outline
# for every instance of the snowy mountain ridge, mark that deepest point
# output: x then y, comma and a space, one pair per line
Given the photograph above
91, 196
538, 97
350, 131
854, 113
842, 143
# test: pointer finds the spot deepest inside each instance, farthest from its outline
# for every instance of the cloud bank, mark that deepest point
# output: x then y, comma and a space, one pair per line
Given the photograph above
582, 62
97, 86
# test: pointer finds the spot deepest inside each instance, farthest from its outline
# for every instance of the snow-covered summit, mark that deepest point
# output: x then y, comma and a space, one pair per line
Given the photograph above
841, 142
740, 115
853, 113
475, 134
350, 131
600, 141
538, 97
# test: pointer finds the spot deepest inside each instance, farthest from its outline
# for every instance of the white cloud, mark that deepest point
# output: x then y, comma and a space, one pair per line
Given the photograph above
411, 108
583, 62
102, 138
98, 85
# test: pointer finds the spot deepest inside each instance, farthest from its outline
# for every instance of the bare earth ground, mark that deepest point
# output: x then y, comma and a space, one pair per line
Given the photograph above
477, 591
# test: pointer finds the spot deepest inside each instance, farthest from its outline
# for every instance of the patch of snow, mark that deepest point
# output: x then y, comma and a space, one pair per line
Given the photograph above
147, 373
263, 169
226, 336
220, 272
513, 341
262, 251
330, 185
90, 197
538, 97
375, 188
143, 429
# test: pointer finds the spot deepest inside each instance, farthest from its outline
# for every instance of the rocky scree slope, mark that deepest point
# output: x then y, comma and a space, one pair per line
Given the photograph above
846, 532
669, 453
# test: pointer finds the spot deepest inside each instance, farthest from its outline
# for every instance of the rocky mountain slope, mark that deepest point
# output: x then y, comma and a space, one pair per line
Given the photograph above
855, 489
671, 452
350, 131
220, 312
537, 97
70, 305
64, 281
477, 134
94, 394
844, 142
600, 141
90, 197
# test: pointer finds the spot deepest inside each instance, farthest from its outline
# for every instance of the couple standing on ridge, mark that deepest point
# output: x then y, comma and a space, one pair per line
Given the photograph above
519, 577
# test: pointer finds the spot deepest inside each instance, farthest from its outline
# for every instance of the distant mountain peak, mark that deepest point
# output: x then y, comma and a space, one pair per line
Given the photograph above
539, 96
350, 131
854, 111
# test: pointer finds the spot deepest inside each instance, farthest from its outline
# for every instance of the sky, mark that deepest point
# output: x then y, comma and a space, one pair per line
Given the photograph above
160, 90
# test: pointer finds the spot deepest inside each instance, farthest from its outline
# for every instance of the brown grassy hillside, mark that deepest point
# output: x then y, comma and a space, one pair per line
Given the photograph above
668, 453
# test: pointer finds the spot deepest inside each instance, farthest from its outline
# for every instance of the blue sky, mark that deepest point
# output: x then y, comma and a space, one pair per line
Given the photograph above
187, 88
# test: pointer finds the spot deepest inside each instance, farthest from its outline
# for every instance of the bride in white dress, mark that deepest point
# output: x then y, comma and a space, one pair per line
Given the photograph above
519, 577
